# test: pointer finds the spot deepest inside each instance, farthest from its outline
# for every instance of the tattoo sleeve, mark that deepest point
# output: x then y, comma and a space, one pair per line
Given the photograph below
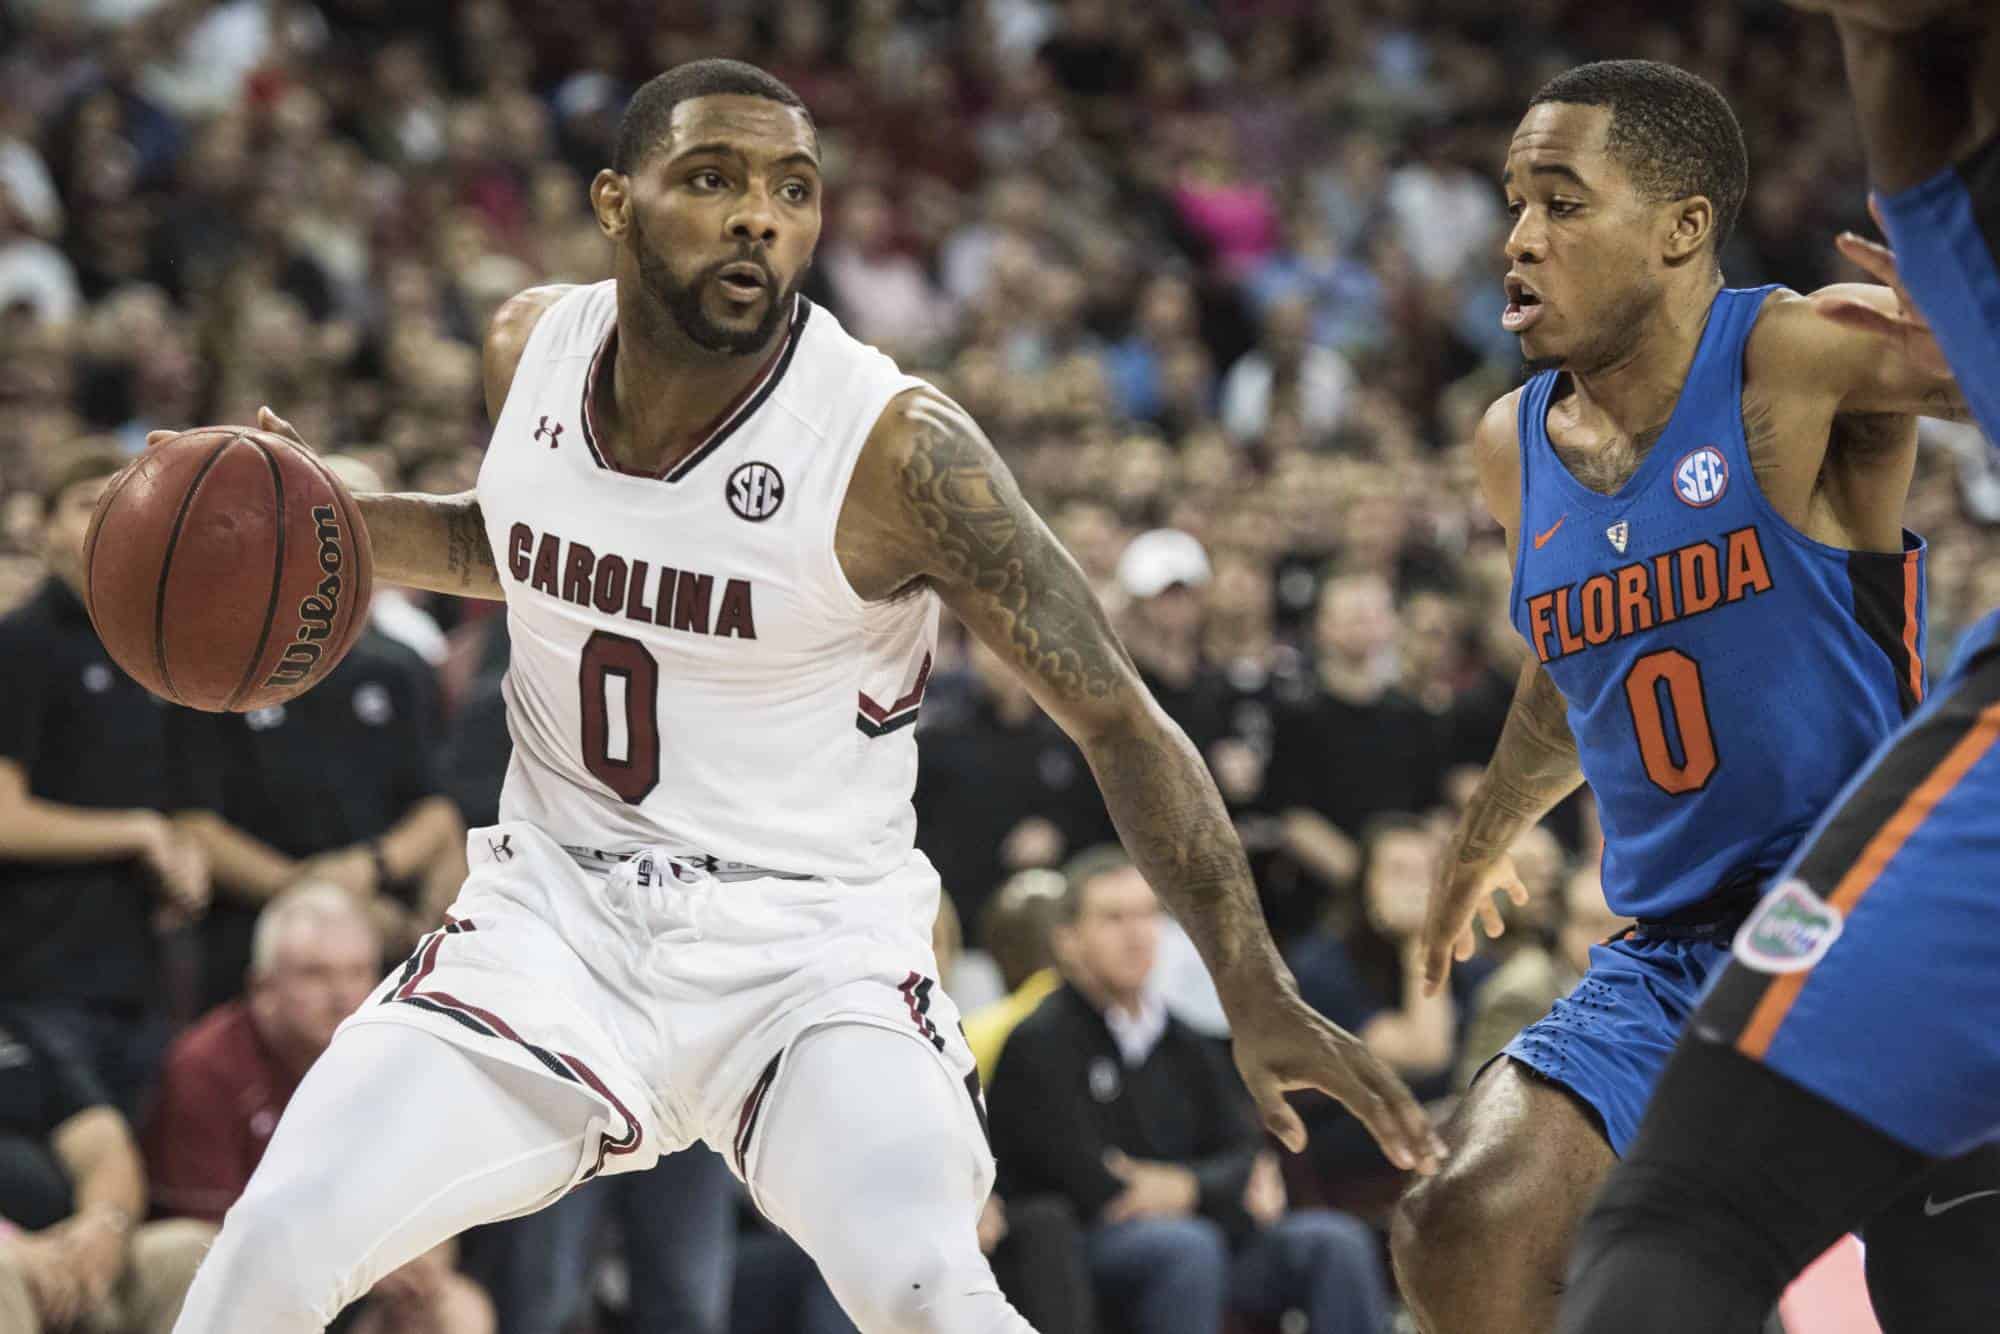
995, 563
1533, 767
433, 542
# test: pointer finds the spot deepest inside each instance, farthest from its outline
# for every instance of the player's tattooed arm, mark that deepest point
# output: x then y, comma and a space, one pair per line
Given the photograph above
932, 503
1533, 768
420, 541
433, 542
996, 564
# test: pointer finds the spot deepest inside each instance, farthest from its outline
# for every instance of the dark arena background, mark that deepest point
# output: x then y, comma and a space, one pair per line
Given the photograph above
1220, 278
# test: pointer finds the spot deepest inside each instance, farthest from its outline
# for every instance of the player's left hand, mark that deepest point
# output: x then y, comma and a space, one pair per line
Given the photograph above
1281, 1043
1906, 325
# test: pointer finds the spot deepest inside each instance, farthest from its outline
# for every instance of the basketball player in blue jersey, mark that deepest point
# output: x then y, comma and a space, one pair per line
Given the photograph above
1702, 489
1854, 1041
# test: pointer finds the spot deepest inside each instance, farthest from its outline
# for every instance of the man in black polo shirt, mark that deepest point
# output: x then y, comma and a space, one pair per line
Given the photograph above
1104, 1099
339, 786
90, 765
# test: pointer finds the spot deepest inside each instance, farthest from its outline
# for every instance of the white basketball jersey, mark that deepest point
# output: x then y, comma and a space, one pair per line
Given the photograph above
690, 666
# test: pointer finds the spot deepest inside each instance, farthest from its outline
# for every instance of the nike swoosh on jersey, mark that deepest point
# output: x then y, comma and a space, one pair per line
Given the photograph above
1932, 1208
1542, 539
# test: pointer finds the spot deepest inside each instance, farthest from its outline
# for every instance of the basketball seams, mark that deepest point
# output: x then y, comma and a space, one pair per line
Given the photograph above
277, 578
167, 564
105, 503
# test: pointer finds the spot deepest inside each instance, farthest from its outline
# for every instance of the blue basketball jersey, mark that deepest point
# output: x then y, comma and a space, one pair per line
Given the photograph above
1725, 673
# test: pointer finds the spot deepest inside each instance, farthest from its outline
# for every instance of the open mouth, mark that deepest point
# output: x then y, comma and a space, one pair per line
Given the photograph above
1524, 306
743, 280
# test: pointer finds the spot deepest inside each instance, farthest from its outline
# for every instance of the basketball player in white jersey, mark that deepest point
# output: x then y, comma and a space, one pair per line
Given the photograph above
723, 529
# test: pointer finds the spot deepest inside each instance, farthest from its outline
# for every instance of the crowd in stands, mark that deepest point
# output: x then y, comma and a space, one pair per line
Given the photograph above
1221, 280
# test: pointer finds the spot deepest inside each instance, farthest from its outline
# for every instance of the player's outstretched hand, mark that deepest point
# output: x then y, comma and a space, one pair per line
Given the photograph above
1905, 325
1283, 1044
1464, 890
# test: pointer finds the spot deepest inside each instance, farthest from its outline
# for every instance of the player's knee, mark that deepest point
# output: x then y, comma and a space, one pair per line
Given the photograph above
273, 1253
1440, 1226
926, 1287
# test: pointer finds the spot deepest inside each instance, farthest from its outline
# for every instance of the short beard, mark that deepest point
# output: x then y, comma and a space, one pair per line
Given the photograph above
683, 302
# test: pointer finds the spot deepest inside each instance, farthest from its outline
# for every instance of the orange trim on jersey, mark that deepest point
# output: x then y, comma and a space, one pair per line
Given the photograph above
1778, 998
1913, 579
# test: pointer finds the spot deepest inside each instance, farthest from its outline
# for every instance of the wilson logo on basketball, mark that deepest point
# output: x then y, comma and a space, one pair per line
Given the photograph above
1702, 477
318, 608
756, 491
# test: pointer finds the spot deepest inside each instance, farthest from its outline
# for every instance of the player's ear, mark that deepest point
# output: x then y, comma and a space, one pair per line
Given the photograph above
1690, 222
611, 200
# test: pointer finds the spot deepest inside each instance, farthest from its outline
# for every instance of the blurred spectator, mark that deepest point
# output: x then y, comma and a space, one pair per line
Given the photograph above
73, 1253
1102, 1098
879, 292
1367, 974
338, 785
1355, 746
34, 275
1287, 373
1018, 928
227, 1080
1162, 574
91, 767
999, 788
677, 1231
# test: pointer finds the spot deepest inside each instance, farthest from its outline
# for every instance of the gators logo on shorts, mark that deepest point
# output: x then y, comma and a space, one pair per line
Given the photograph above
1791, 930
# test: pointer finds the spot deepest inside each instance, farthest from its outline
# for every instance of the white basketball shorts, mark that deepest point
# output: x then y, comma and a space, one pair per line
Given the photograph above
667, 992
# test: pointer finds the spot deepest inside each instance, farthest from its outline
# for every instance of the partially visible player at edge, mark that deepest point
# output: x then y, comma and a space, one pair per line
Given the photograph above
1852, 1043
715, 519
1702, 488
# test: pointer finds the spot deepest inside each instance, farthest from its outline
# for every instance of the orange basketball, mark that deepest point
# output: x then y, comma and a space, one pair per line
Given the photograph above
227, 569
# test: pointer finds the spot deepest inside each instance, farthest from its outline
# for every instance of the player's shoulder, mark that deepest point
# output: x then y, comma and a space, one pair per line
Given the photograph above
1496, 454
1794, 346
507, 334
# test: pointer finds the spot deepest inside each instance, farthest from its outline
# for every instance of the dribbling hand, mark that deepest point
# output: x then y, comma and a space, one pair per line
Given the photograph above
1464, 890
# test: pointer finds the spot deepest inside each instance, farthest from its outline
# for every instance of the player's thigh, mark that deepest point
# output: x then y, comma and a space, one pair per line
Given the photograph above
1866, 974
397, 1140
870, 1154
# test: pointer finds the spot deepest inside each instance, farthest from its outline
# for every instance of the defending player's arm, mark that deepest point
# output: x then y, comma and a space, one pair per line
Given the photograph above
1533, 768
439, 542
932, 501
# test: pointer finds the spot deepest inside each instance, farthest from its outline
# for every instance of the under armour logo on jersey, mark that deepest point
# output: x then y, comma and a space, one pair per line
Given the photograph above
501, 852
755, 491
1620, 533
553, 432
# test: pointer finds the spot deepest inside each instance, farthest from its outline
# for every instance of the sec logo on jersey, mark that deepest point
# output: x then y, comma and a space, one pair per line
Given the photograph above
755, 491
1702, 477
